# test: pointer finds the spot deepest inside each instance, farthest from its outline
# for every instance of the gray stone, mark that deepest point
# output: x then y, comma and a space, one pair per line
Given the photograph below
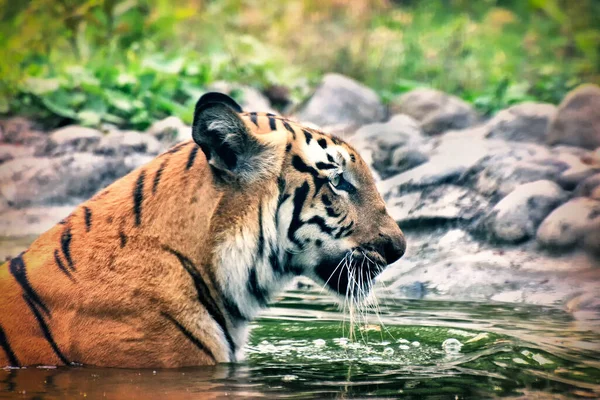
404, 159
590, 187
579, 168
127, 142
70, 139
61, 180
517, 216
435, 205
377, 142
248, 97
170, 130
341, 100
32, 221
526, 122
577, 121
11, 151
436, 111
19, 130
575, 223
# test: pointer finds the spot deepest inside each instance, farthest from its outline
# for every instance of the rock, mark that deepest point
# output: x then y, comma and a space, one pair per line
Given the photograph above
32, 221
436, 205
170, 130
19, 130
526, 122
127, 142
448, 163
575, 223
577, 121
436, 111
341, 100
517, 216
578, 168
590, 187
61, 180
404, 159
70, 139
11, 151
248, 97
377, 142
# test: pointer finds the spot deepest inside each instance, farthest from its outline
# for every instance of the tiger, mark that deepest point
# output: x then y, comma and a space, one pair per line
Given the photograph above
167, 266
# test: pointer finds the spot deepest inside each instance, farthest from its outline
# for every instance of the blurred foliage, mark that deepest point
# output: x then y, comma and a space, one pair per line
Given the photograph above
130, 62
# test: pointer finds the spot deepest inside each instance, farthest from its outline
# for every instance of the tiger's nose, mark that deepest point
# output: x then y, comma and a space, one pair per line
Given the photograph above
394, 248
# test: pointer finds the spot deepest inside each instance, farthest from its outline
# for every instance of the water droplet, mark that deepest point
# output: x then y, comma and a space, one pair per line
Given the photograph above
404, 347
452, 346
319, 342
388, 351
289, 378
416, 344
402, 341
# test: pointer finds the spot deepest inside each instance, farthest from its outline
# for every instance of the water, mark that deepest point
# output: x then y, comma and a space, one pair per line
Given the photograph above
426, 349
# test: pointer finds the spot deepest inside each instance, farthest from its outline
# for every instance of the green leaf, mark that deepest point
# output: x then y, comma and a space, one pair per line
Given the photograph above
40, 86
89, 118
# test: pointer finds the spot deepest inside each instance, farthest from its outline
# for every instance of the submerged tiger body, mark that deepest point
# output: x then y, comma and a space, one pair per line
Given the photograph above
166, 266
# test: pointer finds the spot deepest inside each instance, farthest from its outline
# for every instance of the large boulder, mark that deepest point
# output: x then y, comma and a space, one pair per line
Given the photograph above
436, 205
575, 223
590, 187
61, 180
577, 121
340, 100
127, 142
11, 151
248, 97
170, 130
436, 111
70, 139
19, 130
526, 122
517, 216
377, 142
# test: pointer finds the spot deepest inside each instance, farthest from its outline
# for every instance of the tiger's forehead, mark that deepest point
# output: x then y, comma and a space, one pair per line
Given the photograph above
318, 145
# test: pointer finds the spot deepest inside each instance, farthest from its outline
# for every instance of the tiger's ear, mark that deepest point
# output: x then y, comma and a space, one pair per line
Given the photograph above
234, 153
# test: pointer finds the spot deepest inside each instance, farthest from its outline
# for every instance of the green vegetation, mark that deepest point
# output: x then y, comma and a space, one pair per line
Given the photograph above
130, 62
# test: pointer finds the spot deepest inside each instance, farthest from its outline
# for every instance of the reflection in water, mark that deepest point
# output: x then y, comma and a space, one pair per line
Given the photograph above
299, 350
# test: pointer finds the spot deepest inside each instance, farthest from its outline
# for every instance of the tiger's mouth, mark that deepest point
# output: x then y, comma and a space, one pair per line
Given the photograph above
354, 274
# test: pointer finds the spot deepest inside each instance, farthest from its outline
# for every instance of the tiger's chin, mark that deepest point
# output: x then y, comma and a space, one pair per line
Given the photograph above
352, 277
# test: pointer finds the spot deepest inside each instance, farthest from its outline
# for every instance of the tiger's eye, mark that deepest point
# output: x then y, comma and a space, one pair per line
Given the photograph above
335, 180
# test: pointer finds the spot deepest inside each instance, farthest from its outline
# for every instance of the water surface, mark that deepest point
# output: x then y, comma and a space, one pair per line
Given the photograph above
300, 349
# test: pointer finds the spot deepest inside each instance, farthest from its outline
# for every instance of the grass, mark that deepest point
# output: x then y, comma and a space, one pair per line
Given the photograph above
131, 62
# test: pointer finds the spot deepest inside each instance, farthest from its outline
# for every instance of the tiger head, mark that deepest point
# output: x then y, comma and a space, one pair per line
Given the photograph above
314, 207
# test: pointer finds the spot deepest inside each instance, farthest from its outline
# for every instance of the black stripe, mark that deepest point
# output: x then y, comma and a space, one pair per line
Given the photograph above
288, 147
177, 147
13, 361
190, 336
61, 266
300, 195
45, 330
123, 239
352, 157
191, 158
260, 243
322, 142
326, 200
330, 158
17, 269
259, 293
302, 167
344, 230
204, 296
308, 136
65, 245
323, 165
253, 118
158, 176
331, 212
288, 127
320, 222
88, 218
272, 123
138, 197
